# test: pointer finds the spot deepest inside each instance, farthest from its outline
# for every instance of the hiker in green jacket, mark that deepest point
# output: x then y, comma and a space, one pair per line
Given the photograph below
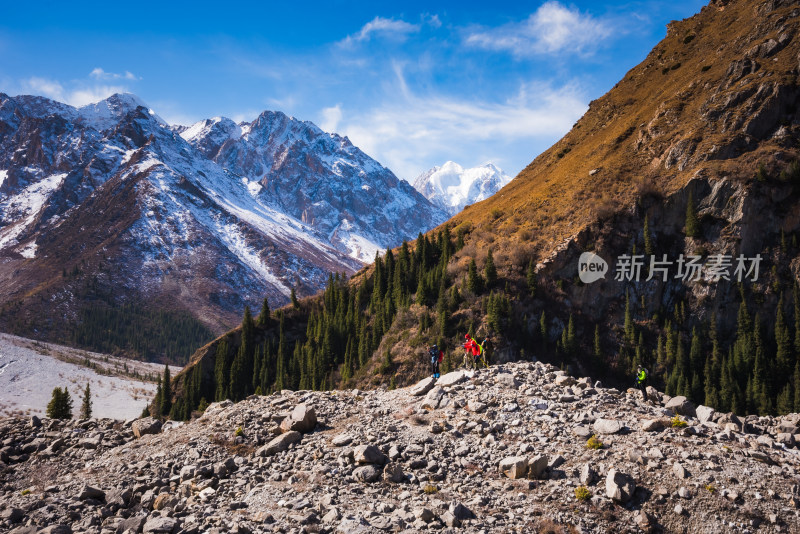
641, 380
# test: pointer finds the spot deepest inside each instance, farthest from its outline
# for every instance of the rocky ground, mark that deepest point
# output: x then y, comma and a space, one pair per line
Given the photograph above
504, 451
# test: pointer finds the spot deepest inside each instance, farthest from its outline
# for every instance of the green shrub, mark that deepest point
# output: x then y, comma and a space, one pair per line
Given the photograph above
239, 432
677, 422
430, 489
582, 493
594, 443
704, 68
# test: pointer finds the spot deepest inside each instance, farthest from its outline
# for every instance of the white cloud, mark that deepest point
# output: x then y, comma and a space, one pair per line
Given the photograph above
78, 96
44, 87
77, 92
398, 29
90, 95
100, 74
553, 28
411, 133
331, 118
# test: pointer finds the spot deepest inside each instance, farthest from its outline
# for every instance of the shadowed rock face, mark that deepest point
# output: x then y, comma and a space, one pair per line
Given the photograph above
432, 466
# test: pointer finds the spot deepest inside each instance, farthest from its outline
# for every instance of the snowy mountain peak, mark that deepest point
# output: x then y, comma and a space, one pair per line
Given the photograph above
452, 187
107, 113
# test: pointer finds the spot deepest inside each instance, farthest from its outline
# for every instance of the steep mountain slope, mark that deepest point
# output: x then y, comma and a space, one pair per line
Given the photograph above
107, 205
319, 178
693, 156
451, 187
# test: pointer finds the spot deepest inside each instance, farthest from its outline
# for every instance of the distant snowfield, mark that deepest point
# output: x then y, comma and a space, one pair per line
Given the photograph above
29, 370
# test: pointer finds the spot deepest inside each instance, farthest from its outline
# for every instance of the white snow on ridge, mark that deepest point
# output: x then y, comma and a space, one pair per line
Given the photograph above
3, 176
453, 187
25, 206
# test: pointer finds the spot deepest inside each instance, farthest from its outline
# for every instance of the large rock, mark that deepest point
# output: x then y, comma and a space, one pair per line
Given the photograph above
302, 419
619, 486
564, 380
146, 425
681, 405
451, 379
367, 473
423, 386
132, 524
56, 529
514, 467
433, 398
393, 472
460, 511
160, 525
537, 466
608, 426
652, 425
704, 413
369, 454
279, 444
507, 380
89, 492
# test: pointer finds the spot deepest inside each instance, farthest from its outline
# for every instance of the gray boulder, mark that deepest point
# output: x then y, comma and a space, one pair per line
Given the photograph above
146, 425
302, 419
619, 486
369, 454
279, 444
367, 473
608, 426
514, 467
681, 405
423, 386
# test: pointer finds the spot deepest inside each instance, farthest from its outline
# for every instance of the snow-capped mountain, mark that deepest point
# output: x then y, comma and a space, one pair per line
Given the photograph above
109, 202
452, 187
319, 178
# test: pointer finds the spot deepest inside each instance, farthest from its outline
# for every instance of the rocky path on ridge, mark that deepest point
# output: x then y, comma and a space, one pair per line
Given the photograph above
504, 451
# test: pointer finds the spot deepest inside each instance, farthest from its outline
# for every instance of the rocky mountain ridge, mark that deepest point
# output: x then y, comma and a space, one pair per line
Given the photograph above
508, 450
108, 204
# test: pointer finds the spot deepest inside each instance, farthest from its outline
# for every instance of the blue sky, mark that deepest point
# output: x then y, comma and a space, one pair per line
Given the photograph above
412, 84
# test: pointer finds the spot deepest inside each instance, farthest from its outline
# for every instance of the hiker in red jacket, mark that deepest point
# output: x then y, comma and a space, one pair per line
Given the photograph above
471, 352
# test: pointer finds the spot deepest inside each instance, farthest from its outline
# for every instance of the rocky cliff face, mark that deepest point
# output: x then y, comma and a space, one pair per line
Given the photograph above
506, 450
319, 178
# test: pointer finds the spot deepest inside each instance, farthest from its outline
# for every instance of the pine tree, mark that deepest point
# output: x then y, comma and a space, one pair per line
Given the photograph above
221, 371
629, 328
543, 329
86, 405
597, 353
490, 271
783, 354
648, 238
60, 405
166, 393
692, 223
293, 298
474, 280
156, 410
571, 340
263, 316
531, 277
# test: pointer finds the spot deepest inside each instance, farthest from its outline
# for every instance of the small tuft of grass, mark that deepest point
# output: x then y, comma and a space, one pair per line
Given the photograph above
711, 488
239, 432
677, 422
594, 443
582, 493
430, 489
25, 492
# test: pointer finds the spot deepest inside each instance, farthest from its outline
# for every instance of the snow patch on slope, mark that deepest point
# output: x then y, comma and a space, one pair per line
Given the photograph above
23, 207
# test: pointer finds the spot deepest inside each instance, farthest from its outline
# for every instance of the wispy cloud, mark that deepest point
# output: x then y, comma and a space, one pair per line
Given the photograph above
330, 118
100, 74
77, 92
552, 28
404, 132
380, 26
